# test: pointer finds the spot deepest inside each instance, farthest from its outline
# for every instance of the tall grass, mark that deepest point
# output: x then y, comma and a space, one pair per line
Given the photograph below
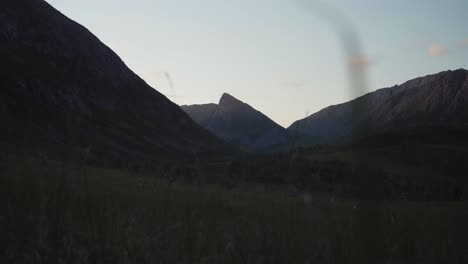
73, 214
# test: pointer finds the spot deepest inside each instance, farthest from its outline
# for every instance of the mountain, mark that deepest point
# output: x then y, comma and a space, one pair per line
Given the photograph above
202, 114
431, 101
239, 124
61, 86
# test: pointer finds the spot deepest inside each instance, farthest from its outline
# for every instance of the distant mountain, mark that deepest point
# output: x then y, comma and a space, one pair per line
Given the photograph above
202, 114
239, 124
431, 101
60, 85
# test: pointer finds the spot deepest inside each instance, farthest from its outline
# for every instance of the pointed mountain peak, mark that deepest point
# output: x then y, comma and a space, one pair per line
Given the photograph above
227, 100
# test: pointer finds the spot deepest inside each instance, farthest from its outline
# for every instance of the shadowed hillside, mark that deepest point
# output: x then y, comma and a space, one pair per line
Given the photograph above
61, 86
239, 124
439, 99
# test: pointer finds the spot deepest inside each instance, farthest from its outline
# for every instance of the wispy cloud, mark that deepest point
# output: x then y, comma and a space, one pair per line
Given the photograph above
437, 50
464, 43
358, 63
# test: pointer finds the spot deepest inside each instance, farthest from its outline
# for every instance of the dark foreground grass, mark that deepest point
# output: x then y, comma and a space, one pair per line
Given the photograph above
69, 214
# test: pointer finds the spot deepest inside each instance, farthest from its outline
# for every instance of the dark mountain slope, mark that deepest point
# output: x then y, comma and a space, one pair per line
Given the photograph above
202, 114
239, 124
60, 85
433, 100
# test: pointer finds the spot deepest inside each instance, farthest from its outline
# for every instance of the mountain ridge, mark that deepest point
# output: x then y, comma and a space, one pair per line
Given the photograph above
393, 107
61, 82
239, 123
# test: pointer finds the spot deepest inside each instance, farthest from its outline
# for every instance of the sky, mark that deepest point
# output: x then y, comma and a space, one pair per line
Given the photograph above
283, 57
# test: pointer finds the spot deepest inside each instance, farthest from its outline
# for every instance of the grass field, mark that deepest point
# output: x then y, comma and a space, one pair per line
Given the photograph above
63, 213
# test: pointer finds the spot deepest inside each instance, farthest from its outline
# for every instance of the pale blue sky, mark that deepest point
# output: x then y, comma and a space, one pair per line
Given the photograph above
273, 54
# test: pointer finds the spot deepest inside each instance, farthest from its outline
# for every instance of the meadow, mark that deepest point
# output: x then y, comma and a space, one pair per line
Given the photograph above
56, 212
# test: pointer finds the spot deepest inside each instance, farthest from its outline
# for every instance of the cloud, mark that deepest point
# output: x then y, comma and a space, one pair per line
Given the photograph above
360, 62
436, 50
464, 43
